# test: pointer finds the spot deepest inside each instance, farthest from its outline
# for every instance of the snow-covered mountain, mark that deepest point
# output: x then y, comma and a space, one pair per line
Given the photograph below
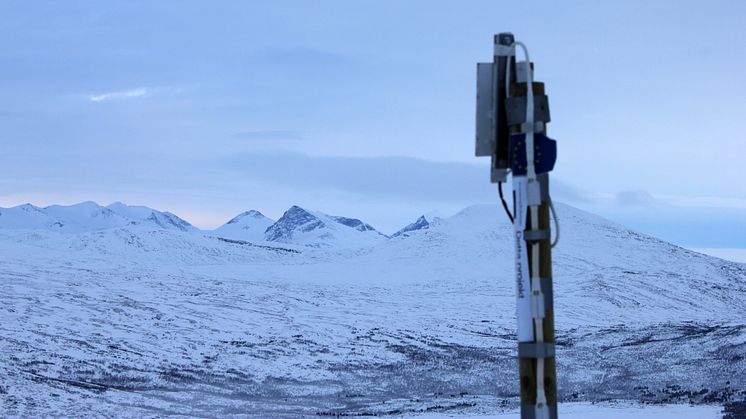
316, 229
85, 216
297, 226
145, 216
88, 216
27, 216
249, 225
154, 322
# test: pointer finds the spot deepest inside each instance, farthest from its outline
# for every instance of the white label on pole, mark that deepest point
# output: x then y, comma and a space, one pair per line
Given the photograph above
522, 276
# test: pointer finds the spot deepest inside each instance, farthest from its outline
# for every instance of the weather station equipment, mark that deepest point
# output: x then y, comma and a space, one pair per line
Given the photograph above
511, 128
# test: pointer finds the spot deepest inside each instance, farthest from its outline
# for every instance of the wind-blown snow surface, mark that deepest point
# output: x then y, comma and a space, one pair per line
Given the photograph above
140, 320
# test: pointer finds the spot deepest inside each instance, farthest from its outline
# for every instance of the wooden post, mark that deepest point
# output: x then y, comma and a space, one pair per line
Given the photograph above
528, 361
528, 365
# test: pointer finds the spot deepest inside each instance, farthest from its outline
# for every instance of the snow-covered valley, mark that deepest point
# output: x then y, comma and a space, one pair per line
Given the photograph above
138, 313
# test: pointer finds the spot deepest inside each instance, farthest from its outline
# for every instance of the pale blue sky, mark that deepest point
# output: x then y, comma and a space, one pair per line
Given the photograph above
366, 109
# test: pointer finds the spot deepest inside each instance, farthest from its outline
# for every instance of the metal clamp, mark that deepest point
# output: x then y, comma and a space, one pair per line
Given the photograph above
536, 235
535, 350
528, 411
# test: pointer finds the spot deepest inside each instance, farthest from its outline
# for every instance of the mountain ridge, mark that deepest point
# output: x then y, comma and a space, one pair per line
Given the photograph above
90, 216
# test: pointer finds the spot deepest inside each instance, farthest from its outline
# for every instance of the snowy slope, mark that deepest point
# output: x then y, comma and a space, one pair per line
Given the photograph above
604, 272
249, 225
134, 321
27, 216
85, 216
316, 229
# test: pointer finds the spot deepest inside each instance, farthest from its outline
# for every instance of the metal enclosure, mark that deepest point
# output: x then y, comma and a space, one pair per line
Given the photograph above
485, 110
492, 128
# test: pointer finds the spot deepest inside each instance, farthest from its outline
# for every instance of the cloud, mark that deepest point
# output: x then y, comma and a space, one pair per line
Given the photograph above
570, 194
635, 198
398, 178
121, 95
389, 177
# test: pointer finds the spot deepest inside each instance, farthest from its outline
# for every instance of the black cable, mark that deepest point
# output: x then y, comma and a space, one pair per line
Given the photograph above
505, 204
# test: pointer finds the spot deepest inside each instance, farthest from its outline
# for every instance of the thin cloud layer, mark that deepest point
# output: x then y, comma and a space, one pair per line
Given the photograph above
122, 95
635, 198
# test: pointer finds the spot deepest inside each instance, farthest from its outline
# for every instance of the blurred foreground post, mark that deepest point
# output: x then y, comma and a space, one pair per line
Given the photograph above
512, 113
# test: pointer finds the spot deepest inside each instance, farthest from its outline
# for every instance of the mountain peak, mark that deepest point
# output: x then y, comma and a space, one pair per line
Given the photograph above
420, 224
250, 214
254, 213
297, 210
117, 204
294, 219
28, 207
248, 225
316, 229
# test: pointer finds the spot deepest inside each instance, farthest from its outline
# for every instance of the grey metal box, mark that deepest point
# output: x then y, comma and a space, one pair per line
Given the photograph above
485, 110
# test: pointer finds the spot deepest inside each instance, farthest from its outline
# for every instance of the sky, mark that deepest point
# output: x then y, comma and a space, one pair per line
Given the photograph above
367, 108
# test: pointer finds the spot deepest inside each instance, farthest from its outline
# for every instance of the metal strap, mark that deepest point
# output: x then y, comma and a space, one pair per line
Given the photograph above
535, 350
503, 50
528, 411
535, 235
